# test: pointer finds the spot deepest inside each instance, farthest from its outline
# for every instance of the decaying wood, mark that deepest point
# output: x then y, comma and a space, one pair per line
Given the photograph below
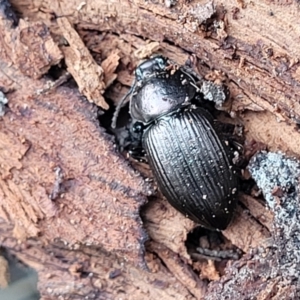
78, 60
93, 273
70, 204
38, 138
254, 44
34, 39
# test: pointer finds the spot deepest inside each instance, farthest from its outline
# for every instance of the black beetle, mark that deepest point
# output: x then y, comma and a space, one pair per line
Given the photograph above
191, 162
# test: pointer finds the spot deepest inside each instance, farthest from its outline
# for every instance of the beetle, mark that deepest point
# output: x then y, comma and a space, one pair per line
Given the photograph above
190, 159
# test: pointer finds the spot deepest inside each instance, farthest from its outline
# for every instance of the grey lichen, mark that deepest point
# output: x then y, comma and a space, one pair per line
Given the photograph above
278, 178
213, 92
269, 273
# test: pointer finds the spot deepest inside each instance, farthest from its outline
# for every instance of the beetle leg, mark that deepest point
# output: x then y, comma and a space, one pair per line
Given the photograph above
135, 149
190, 66
216, 255
138, 154
129, 138
121, 104
232, 136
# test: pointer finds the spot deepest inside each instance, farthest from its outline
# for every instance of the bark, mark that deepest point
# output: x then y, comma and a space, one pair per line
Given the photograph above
70, 204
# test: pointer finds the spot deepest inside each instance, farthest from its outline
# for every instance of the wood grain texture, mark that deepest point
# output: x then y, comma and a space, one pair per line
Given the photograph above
50, 140
43, 133
257, 47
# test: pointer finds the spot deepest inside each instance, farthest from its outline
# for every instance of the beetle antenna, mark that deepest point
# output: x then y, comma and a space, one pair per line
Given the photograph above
119, 107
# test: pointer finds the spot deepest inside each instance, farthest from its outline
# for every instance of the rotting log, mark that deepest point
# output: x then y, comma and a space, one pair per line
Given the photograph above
70, 205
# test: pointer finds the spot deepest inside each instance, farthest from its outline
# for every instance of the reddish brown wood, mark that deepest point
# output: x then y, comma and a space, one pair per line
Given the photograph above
70, 204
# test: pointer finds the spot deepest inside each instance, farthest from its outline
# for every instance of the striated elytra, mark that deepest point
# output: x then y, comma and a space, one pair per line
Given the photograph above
191, 162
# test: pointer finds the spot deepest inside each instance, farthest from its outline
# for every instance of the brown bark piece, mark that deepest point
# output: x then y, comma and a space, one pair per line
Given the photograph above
207, 270
267, 129
258, 210
167, 227
92, 273
147, 50
245, 232
181, 271
95, 206
87, 73
29, 46
109, 66
12, 152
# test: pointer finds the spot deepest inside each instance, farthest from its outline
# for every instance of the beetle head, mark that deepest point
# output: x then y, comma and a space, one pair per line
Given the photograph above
160, 89
151, 67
